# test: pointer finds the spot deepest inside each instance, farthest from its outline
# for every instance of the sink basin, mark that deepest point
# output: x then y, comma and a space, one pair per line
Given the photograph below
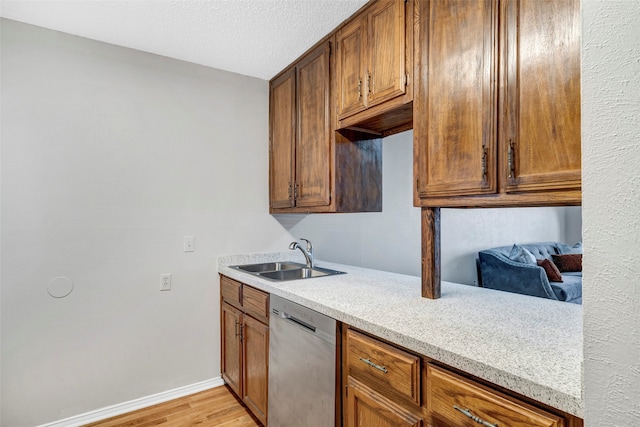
298, 273
268, 266
283, 271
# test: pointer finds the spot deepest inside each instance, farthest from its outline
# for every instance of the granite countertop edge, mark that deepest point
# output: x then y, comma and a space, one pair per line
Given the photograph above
552, 377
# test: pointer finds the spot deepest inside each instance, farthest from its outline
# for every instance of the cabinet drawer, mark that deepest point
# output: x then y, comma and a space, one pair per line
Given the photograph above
455, 401
231, 291
255, 303
386, 369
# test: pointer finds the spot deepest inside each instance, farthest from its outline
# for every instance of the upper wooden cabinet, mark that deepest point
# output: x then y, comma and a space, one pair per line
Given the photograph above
542, 95
300, 137
311, 168
456, 99
497, 103
374, 67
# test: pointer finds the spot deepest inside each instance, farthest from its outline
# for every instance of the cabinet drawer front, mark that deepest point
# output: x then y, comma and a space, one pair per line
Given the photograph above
455, 401
386, 369
255, 303
231, 291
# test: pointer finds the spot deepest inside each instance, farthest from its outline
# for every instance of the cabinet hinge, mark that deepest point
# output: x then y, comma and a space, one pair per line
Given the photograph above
295, 191
346, 390
406, 79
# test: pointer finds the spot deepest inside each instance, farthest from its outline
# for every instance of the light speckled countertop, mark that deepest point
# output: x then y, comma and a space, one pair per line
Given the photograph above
532, 346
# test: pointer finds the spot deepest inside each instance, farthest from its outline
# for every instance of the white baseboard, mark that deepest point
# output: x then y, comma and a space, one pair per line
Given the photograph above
132, 405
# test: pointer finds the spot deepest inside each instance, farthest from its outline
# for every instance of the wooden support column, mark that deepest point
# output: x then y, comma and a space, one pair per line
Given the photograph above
431, 253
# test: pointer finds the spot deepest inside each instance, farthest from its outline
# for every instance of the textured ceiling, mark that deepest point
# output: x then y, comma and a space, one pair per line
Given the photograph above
252, 37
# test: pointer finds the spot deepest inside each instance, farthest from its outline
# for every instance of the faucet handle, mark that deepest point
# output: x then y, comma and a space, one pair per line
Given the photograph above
309, 245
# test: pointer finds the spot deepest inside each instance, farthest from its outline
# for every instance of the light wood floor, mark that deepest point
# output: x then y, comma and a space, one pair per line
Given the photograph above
215, 407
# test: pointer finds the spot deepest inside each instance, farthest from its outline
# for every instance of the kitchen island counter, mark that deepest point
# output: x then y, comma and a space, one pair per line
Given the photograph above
532, 346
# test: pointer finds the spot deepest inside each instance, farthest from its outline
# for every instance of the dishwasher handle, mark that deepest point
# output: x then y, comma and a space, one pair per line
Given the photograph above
290, 318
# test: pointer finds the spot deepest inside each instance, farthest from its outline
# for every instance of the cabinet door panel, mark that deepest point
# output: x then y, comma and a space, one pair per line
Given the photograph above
231, 320
313, 142
456, 99
542, 42
256, 360
386, 49
366, 408
350, 68
282, 118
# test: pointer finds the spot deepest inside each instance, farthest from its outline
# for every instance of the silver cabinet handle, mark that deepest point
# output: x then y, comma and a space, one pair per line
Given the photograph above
479, 420
373, 365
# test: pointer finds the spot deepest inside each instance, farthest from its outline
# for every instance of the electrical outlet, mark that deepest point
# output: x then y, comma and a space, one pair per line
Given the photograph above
165, 282
188, 244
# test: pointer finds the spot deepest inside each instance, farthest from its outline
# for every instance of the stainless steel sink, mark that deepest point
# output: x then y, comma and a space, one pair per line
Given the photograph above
268, 266
283, 271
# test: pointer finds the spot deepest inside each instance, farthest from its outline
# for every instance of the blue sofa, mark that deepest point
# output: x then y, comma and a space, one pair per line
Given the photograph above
498, 271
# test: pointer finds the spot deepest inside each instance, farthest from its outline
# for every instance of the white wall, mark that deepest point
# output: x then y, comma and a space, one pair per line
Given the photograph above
109, 157
611, 201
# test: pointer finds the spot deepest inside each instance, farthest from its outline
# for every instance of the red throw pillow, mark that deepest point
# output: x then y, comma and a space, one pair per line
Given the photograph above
568, 262
550, 268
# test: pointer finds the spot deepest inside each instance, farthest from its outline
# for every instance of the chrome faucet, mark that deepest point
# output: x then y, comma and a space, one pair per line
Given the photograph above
308, 253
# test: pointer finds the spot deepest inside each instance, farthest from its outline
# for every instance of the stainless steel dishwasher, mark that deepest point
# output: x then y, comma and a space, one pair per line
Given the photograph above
302, 366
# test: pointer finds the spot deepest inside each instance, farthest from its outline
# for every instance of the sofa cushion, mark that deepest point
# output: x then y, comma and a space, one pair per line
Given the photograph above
521, 254
568, 262
566, 249
569, 290
553, 274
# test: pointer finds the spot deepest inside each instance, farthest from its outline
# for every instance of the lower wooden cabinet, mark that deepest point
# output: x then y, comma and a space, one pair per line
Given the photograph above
244, 325
366, 408
231, 323
255, 352
386, 386
382, 383
456, 401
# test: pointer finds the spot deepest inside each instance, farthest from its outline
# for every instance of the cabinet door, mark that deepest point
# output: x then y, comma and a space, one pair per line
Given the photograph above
455, 123
366, 408
313, 141
282, 116
386, 51
256, 360
350, 68
541, 139
231, 319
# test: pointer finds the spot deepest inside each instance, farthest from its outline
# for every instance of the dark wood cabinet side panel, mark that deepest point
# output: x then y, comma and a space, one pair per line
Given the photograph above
358, 174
